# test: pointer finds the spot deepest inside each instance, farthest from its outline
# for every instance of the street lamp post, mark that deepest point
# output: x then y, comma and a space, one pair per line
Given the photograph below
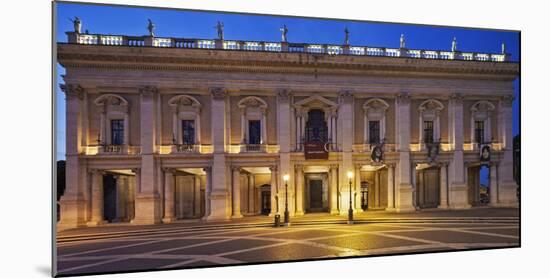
287, 215
350, 211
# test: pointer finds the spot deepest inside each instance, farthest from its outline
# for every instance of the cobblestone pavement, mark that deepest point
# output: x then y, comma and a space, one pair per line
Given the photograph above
185, 245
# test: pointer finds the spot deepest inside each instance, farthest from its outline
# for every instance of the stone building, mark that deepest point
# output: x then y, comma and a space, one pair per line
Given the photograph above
166, 129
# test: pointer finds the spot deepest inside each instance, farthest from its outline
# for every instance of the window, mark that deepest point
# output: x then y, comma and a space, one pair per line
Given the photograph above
479, 132
254, 132
428, 131
374, 132
188, 132
117, 132
316, 126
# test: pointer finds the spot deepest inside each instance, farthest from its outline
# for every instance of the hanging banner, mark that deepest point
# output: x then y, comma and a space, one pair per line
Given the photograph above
315, 150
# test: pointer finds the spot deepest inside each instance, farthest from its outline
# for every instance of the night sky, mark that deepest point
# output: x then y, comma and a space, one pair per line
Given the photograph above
193, 24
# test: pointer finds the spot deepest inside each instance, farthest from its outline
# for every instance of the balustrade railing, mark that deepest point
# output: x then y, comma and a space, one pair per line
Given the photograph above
186, 148
253, 148
99, 39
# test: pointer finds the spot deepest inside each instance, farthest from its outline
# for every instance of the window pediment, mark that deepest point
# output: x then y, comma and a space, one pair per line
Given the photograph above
184, 103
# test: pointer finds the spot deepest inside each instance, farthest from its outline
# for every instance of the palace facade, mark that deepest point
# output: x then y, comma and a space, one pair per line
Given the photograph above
167, 129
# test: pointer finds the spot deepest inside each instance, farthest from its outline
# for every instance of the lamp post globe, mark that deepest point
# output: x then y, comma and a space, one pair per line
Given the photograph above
350, 211
287, 214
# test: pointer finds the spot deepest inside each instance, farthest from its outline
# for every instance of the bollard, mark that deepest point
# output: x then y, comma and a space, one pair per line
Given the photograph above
277, 220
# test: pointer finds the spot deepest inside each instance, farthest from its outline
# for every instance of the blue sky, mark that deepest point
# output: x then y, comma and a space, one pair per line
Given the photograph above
194, 24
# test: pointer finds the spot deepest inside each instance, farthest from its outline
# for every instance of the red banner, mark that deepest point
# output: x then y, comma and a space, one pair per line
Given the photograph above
315, 150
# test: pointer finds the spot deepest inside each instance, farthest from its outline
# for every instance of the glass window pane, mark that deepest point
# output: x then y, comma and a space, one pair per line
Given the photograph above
188, 132
479, 132
428, 131
374, 132
117, 132
254, 132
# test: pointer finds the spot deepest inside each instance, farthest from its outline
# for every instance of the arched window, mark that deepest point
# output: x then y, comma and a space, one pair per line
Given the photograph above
374, 120
186, 121
480, 122
429, 125
113, 123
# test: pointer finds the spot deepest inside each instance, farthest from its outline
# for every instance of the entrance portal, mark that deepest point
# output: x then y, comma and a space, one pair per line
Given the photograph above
266, 199
478, 189
118, 198
427, 188
317, 192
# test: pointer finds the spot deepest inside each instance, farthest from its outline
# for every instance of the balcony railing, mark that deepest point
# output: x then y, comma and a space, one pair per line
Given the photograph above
185, 148
140, 41
251, 148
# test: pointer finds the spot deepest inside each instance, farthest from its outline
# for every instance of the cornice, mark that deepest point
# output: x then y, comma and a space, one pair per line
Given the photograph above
121, 57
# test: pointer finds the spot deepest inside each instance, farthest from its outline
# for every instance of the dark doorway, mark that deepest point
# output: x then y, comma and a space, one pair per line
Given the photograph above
478, 185
266, 199
316, 195
427, 188
364, 195
109, 198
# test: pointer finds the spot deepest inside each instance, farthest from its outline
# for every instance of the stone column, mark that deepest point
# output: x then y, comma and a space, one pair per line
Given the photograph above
391, 187
197, 197
346, 130
207, 191
97, 198
251, 195
73, 203
263, 140
299, 189
243, 126
357, 176
148, 202
274, 191
404, 189
443, 202
169, 191
284, 97
220, 208
377, 189
507, 187
493, 184
236, 196
333, 189
458, 189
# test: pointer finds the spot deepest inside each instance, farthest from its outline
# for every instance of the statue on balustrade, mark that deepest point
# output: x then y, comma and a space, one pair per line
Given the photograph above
219, 27
402, 41
346, 40
453, 45
284, 31
77, 24
151, 27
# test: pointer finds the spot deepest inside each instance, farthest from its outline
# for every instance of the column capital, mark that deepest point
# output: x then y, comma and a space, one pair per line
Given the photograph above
169, 170
72, 91
273, 168
235, 168
284, 94
136, 170
457, 98
148, 91
403, 98
358, 166
333, 166
298, 167
218, 93
96, 171
345, 95
507, 100
207, 169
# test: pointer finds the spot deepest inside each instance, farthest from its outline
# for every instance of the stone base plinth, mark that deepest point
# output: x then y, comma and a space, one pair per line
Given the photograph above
96, 223
458, 197
72, 214
147, 210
